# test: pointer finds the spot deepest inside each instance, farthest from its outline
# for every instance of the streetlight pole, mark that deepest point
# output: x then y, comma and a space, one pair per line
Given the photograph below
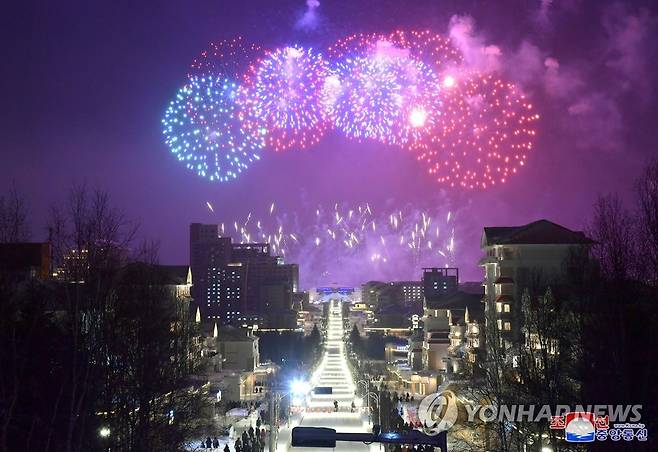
274, 398
379, 406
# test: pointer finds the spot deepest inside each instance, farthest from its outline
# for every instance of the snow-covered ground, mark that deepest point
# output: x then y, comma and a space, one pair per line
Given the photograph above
333, 371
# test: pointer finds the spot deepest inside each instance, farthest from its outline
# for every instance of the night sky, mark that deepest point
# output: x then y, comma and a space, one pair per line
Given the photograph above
85, 85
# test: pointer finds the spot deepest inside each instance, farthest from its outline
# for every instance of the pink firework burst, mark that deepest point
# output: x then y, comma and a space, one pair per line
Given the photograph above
284, 91
485, 133
227, 58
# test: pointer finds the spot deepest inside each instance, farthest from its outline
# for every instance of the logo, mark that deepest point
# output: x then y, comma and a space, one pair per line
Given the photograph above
438, 412
579, 427
585, 427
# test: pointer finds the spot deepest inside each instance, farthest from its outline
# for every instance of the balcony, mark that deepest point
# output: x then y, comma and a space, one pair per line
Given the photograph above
504, 298
488, 260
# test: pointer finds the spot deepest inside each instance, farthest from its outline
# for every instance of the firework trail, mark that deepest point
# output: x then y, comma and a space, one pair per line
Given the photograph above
352, 241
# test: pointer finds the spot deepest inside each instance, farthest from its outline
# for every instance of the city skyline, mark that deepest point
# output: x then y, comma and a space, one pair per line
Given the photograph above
355, 224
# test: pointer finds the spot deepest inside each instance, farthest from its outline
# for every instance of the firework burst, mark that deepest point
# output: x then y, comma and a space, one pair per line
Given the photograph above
359, 44
485, 134
205, 128
228, 58
285, 94
405, 88
382, 97
435, 50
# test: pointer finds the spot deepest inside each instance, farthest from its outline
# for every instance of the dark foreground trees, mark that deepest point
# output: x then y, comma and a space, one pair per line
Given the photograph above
99, 359
589, 337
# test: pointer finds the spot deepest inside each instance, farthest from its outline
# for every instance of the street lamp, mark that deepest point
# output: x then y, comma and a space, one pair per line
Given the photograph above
379, 407
104, 432
300, 387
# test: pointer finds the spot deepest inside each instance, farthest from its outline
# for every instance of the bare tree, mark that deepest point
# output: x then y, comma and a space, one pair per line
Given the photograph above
493, 385
14, 225
614, 232
89, 234
647, 198
90, 240
548, 361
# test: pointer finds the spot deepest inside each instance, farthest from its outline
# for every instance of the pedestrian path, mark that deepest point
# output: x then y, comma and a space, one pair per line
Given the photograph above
332, 371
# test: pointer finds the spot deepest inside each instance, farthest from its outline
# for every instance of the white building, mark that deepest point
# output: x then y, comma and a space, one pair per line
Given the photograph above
521, 257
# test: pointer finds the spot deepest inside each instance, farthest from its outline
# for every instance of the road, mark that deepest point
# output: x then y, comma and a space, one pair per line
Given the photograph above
332, 371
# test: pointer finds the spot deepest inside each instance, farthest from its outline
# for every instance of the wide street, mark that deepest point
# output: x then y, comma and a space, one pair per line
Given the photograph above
333, 371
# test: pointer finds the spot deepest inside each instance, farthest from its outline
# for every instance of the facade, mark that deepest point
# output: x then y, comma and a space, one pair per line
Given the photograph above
238, 348
403, 293
412, 292
415, 350
236, 373
25, 260
370, 292
437, 283
517, 258
466, 335
240, 283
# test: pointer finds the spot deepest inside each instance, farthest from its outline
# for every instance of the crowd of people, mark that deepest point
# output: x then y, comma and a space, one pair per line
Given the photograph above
252, 440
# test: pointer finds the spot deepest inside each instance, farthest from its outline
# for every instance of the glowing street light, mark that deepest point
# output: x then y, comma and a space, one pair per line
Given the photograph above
104, 432
300, 387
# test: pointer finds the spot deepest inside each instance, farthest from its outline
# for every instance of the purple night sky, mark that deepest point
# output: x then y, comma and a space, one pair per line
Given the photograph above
88, 82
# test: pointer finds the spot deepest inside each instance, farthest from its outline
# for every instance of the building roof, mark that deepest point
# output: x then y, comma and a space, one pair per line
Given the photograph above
459, 300
169, 275
22, 256
504, 297
175, 274
541, 232
233, 334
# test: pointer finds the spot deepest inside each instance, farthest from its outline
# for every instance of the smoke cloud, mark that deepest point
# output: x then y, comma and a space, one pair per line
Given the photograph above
477, 55
590, 113
310, 19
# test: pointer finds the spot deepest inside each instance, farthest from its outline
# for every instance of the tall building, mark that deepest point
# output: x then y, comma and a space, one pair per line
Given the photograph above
520, 257
25, 260
438, 283
403, 293
209, 255
370, 292
238, 283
